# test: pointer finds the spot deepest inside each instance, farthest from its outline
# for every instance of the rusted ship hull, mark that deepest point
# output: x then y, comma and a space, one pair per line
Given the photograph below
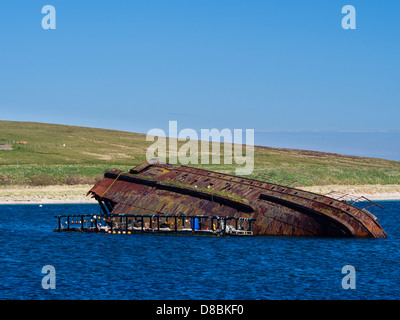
162, 189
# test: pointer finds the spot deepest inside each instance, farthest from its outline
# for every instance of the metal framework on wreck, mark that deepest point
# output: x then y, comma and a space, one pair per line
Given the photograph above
154, 224
164, 190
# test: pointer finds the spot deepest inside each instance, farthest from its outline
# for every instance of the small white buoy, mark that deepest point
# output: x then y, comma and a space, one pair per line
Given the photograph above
40, 206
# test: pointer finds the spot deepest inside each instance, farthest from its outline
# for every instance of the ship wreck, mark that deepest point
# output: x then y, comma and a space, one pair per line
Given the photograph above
174, 194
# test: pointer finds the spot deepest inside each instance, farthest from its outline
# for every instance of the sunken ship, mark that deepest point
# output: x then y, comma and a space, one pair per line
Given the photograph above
154, 189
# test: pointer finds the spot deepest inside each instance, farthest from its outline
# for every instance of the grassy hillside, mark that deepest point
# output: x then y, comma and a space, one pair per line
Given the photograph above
44, 154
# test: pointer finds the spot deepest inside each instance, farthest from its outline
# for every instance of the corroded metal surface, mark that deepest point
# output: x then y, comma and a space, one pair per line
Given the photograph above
162, 189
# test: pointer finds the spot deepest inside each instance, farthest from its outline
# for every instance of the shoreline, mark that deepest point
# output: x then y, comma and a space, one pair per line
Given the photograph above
371, 192
69, 194
57, 194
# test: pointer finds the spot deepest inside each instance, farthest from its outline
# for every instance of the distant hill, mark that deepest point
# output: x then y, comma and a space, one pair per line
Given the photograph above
43, 143
57, 154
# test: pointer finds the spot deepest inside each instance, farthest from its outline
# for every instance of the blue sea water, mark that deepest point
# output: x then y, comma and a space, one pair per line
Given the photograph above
153, 267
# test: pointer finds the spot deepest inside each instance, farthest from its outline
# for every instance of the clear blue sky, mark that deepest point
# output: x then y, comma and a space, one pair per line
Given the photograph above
266, 65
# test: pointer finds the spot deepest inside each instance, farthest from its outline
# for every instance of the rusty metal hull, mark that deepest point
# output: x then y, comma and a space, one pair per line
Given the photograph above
162, 189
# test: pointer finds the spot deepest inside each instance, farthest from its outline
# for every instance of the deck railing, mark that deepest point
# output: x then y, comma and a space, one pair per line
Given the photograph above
165, 224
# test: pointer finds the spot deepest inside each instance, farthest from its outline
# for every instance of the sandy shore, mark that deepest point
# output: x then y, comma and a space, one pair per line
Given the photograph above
77, 193
47, 194
372, 192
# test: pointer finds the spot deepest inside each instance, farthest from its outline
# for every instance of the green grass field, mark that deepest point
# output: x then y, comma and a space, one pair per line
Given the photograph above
48, 154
